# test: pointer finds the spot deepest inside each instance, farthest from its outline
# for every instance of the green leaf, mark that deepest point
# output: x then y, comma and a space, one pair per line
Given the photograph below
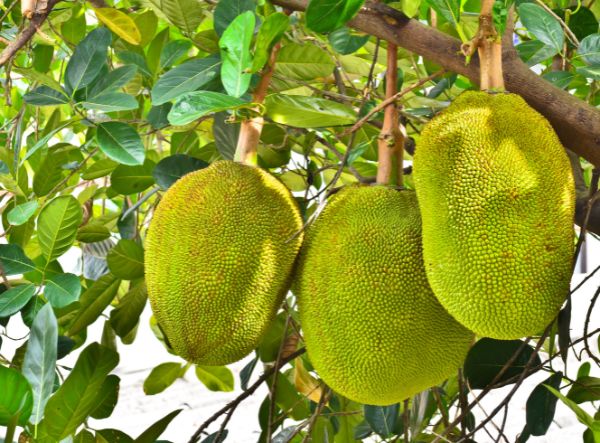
62, 289
39, 364
15, 299
200, 103
99, 169
328, 15
88, 59
117, 78
589, 50
16, 398
184, 14
534, 51
55, 168
14, 261
173, 51
344, 41
35, 76
582, 416
45, 96
227, 10
172, 168
382, 419
235, 53
186, 77
21, 213
93, 301
126, 260
126, 315
128, 180
151, 434
487, 357
215, 378
307, 112
111, 102
107, 398
57, 226
121, 143
225, 135
591, 72
157, 117
269, 34
303, 62
584, 389
120, 23
161, 377
449, 9
43, 141
93, 232
542, 25
76, 398
541, 406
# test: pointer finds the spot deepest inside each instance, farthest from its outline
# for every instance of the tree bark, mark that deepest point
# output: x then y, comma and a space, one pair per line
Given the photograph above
576, 123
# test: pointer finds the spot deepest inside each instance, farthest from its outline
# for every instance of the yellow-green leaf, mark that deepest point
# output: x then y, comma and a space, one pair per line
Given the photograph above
120, 23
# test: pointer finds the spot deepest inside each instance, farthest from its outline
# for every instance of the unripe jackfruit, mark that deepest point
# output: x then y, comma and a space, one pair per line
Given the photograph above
373, 329
497, 200
219, 257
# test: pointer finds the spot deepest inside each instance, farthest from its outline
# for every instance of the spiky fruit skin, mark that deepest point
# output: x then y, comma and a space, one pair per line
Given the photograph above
497, 200
373, 329
219, 257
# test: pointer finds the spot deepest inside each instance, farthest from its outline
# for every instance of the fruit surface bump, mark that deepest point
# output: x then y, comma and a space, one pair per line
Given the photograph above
496, 194
219, 257
373, 329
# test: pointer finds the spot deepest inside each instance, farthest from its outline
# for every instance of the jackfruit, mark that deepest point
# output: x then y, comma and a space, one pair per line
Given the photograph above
497, 199
373, 329
219, 256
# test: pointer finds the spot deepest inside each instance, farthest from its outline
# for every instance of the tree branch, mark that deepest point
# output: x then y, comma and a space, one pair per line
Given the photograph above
576, 123
27, 33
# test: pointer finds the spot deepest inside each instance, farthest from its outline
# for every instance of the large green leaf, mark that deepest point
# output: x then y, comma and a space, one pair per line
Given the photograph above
121, 143
307, 112
126, 315
581, 414
186, 77
584, 389
382, 419
14, 261
107, 398
62, 289
542, 24
57, 226
15, 299
172, 168
45, 96
328, 15
39, 365
235, 53
449, 9
21, 213
88, 59
151, 434
117, 78
215, 378
488, 356
77, 397
589, 49
200, 103
184, 14
128, 180
303, 62
16, 399
269, 34
541, 406
162, 376
227, 10
111, 102
93, 301
126, 260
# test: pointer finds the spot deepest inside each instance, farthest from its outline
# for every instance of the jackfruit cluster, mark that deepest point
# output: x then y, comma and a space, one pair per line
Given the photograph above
219, 257
496, 195
372, 327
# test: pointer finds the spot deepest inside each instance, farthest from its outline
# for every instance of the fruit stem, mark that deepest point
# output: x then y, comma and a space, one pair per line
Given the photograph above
489, 46
246, 150
391, 139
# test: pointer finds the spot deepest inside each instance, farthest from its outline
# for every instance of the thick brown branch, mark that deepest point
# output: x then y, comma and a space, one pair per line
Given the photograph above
27, 33
576, 122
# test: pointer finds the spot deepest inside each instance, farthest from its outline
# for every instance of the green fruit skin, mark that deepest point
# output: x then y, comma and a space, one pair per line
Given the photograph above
219, 257
496, 194
373, 329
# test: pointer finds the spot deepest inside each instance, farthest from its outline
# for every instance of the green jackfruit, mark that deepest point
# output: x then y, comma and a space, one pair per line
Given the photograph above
497, 200
219, 257
373, 329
